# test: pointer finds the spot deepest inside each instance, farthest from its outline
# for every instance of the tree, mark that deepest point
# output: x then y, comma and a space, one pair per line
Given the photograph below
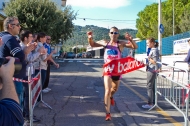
167, 16
83, 49
43, 16
147, 23
76, 50
185, 19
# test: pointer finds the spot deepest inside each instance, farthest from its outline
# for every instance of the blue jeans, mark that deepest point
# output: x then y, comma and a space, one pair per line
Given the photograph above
20, 91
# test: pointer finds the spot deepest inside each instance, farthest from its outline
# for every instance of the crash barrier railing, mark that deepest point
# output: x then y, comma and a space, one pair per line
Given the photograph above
35, 89
174, 90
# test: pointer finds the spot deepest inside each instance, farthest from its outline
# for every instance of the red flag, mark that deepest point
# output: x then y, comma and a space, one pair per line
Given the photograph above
122, 66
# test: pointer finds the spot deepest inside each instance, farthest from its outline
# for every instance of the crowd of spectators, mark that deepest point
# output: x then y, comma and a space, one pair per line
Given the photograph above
33, 50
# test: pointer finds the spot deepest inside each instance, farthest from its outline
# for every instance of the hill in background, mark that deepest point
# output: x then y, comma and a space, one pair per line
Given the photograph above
99, 33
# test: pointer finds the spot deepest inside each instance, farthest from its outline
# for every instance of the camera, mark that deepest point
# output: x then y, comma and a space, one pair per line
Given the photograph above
18, 65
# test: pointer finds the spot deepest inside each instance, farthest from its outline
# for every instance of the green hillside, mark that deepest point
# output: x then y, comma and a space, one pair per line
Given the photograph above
99, 33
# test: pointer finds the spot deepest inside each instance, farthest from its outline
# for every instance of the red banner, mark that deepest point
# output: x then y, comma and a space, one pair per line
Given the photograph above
122, 66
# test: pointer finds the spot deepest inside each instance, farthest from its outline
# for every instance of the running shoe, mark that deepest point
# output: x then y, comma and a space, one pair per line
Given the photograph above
112, 101
108, 117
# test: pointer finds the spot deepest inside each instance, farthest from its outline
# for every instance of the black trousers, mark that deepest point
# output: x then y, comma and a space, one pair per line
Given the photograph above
46, 83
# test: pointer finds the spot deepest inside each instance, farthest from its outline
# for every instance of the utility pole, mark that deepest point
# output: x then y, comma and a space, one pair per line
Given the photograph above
159, 30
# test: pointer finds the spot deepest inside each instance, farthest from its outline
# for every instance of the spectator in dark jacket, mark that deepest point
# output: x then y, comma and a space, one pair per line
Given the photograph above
12, 48
10, 110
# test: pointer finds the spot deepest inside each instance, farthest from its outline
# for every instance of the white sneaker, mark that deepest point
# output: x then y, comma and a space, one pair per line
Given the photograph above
147, 106
45, 91
49, 89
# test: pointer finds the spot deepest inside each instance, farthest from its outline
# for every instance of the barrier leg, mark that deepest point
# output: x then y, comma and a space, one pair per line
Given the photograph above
156, 97
30, 97
30, 106
46, 104
41, 96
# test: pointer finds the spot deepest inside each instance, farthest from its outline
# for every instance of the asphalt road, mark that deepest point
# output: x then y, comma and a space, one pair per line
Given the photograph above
77, 99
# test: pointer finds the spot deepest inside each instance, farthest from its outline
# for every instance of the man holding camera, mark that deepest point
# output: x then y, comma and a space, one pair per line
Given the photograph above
10, 110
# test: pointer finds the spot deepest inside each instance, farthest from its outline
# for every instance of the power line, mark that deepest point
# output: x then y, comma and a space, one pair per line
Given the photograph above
103, 19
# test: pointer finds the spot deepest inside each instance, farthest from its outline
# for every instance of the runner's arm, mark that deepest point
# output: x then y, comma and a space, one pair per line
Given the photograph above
95, 44
130, 44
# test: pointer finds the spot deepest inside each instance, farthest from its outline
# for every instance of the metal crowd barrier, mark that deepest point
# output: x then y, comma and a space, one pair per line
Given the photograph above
181, 63
174, 89
35, 91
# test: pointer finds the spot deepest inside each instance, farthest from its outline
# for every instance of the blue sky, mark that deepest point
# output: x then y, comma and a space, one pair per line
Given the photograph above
95, 10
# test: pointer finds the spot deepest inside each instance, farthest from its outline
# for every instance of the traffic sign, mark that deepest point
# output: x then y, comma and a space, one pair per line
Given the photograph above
161, 28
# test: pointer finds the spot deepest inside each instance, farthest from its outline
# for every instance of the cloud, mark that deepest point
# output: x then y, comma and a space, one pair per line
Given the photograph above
99, 3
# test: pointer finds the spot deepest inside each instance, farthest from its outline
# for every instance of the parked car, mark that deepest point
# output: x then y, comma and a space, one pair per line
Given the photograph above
70, 55
88, 55
79, 55
83, 54
55, 56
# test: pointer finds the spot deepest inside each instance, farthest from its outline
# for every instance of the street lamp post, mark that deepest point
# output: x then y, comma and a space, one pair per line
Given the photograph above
159, 23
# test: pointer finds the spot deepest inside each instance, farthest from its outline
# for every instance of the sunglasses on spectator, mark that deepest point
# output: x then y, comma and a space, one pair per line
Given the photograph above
48, 39
115, 33
16, 24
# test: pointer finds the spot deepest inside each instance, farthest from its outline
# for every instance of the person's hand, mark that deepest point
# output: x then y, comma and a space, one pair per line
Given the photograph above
89, 34
28, 49
35, 44
54, 52
1, 41
128, 36
42, 50
45, 50
57, 65
159, 70
7, 71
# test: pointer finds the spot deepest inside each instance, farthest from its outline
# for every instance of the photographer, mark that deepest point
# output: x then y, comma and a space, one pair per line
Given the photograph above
10, 110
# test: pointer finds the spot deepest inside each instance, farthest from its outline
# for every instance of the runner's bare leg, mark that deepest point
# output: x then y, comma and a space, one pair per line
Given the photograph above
115, 86
107, 86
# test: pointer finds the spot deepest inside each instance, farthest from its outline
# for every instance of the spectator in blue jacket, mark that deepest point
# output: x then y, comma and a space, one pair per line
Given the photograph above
48, 47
